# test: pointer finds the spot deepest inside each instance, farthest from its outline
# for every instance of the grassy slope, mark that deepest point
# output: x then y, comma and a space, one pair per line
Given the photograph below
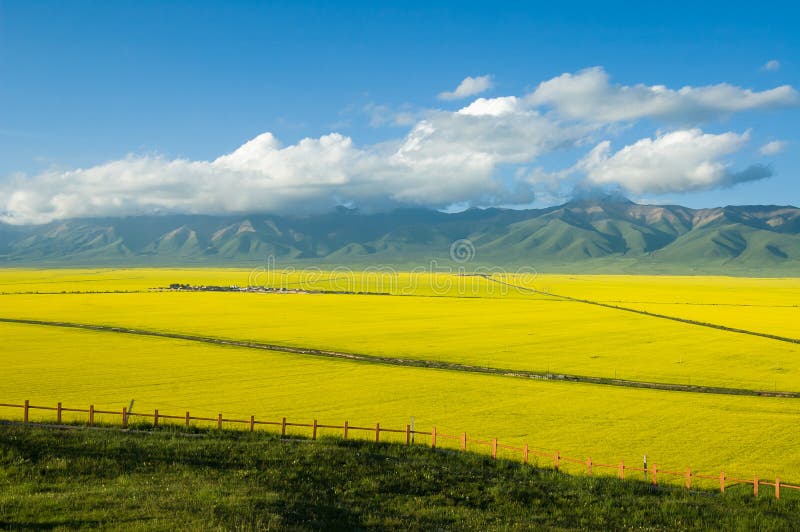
167, 480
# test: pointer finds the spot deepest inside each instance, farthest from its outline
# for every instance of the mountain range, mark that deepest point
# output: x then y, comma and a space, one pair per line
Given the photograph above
604, 235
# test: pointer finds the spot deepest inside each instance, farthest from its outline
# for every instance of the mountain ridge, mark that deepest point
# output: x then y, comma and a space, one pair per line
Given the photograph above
583, 234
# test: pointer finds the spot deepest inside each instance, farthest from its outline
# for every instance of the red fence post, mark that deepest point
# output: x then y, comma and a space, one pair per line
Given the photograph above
755, 485
464, 442
494, 448
556, 460
25, 411
525, 454
688, 478
377, 432
777, 488
722, 482
589, 466
622, 470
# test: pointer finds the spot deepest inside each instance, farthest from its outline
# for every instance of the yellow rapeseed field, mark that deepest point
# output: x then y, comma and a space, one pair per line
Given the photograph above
450, 318
511, 330
675, 429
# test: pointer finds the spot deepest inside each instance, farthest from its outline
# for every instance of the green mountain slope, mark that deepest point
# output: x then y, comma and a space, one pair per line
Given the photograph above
589, 235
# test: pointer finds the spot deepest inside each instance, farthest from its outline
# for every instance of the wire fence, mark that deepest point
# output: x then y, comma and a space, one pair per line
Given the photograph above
653, 474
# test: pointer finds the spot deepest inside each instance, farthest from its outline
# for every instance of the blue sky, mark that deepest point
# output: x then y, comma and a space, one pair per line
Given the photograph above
122, 90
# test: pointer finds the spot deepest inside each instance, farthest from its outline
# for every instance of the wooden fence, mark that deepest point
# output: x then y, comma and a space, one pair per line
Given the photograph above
652, 473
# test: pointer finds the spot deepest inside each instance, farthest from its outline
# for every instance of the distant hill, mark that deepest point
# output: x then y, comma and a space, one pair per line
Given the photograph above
609, 235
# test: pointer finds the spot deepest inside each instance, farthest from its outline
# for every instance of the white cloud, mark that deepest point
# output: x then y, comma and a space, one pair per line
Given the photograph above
674, 162
773, 148
469, 86
771, 65
444, 159
492, 106
486, 153
589, 95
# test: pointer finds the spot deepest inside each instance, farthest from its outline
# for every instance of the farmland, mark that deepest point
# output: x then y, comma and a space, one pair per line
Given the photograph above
484, 324
434, 320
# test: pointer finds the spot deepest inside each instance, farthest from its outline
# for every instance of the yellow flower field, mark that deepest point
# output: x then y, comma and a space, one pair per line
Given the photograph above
741, 435
510, 330
450, 318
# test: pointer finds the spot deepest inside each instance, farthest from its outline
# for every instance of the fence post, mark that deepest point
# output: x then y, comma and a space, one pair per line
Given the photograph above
464, 442
58, 413
188, 418
722, 482
688, 478
433, 438
155, 418
556, 460
314, 430
525, 454
494, 448
124, 417
219, 421
622, 470
777, 488
91, 415
654, 472
345, 430
408, 434
283, 427
755, 485
377, 432
25, 411
252, 423
589, 466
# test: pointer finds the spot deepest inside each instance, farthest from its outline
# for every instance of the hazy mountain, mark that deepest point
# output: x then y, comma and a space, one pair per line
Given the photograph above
605, 235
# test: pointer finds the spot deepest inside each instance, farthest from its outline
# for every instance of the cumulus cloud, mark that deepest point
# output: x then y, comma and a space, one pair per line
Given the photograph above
771, 65
589, 95
679, 161
486, 153
773, 148
492, 106
444, 159
469, 86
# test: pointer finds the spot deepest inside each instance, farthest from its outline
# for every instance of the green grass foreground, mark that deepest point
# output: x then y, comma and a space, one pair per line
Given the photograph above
168, 479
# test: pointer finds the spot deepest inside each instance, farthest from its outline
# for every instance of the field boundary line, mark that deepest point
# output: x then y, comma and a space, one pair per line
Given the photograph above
414, 363
646, 313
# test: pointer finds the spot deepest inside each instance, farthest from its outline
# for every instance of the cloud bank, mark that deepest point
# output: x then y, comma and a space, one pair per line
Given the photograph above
485, 153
